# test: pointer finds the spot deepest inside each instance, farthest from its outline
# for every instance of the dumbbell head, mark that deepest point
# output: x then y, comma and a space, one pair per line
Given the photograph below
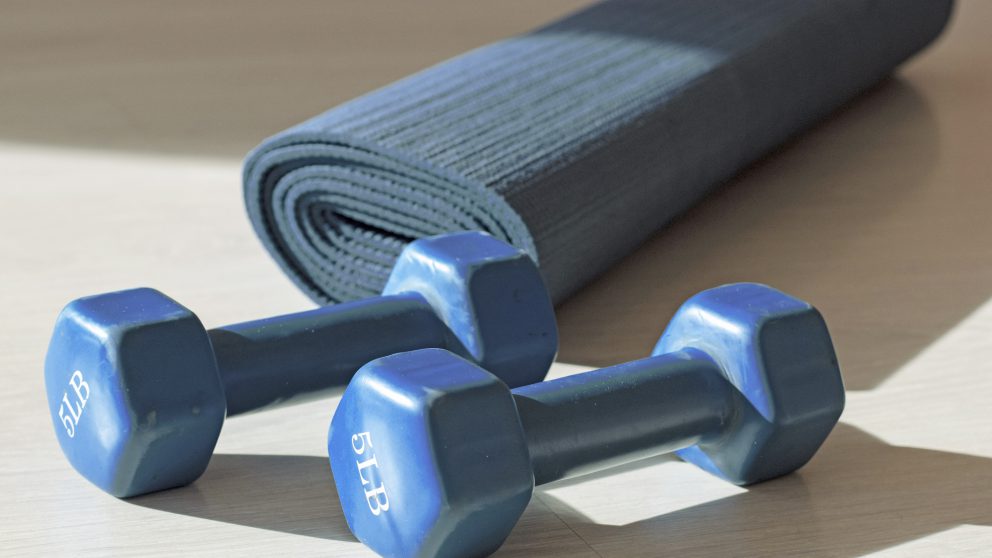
776, 351
429, 457
490, 295
133, 390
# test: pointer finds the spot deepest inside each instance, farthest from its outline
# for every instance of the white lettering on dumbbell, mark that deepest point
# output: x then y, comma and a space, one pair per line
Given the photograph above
375, 495
365, 438
76, 405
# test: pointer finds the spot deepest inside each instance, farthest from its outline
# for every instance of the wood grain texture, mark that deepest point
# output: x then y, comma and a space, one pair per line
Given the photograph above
120, 137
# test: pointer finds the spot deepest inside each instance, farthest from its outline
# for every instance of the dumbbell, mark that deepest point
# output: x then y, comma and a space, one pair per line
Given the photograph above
434, 456
138, 389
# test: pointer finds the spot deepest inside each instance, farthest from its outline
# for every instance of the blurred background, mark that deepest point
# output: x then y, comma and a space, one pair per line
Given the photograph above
215, 78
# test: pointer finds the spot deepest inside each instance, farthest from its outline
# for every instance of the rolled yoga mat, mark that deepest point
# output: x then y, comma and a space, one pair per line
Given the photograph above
574, 142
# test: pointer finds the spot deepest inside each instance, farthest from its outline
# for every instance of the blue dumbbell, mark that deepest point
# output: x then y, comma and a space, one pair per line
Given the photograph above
434, 456
138, 389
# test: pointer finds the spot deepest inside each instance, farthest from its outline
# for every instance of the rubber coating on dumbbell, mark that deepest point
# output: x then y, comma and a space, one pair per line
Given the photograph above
138, 389
434, 456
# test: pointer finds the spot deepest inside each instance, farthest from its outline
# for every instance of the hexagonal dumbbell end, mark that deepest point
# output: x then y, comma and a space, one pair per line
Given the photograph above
776, 351
429, 457
434, 456
134, 392
490, 295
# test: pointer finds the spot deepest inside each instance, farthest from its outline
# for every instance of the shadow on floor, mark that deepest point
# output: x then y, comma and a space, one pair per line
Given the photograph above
287, 493
215, 78
858, 495
848, 217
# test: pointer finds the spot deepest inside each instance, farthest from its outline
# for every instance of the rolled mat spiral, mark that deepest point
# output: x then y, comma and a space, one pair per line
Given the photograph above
574, 142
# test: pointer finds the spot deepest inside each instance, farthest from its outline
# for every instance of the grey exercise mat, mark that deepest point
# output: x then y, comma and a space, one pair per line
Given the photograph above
576, 141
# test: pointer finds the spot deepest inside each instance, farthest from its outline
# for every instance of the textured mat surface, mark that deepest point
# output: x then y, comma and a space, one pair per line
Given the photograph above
576, 141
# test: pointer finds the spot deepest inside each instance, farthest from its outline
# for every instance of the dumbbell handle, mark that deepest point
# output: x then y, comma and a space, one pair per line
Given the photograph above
268, 362
581, 423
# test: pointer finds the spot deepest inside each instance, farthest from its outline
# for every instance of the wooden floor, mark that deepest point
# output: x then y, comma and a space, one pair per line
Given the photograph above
122, 126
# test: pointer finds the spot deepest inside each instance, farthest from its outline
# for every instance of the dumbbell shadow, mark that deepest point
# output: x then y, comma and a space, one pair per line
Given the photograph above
295, 494
287, 493
858, 495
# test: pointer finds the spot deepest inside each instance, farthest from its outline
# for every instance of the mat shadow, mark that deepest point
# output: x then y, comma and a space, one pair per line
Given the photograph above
847, 217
